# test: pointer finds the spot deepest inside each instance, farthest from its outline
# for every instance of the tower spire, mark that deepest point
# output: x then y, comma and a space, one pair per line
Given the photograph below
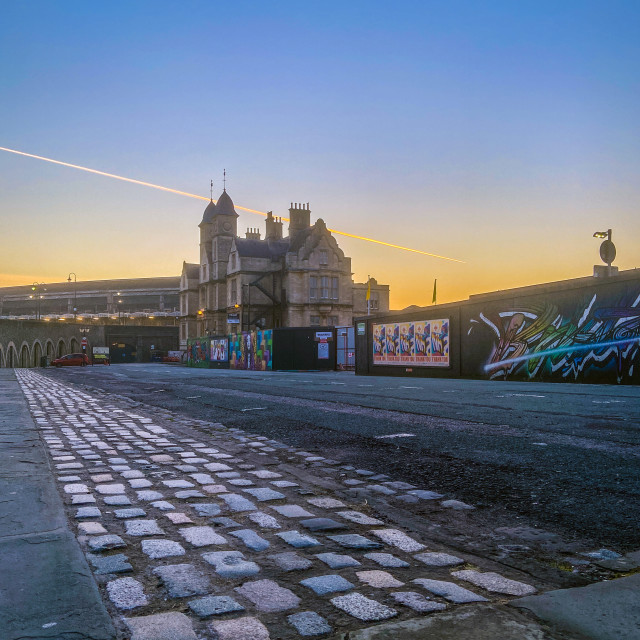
224, 180
211, 190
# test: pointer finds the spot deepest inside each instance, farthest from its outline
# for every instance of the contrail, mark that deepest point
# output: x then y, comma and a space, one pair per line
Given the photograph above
193, 195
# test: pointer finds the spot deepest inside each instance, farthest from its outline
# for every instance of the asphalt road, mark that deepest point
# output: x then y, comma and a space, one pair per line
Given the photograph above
562, 457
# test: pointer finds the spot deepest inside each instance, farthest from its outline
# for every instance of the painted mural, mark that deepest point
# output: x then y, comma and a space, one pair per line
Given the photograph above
251, 351
422, 343
219, 349
594, 337
198, 352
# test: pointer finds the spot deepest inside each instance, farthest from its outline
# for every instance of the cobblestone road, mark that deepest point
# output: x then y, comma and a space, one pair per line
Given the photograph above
235, 536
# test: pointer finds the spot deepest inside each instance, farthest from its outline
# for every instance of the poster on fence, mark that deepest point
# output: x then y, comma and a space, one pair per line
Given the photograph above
421, 343
219, 349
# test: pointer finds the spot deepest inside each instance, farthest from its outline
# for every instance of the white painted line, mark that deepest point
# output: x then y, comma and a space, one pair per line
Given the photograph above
342, 383
365, 385
540, 444
523, 395
193, 397
396, 435
254, 409
409, 387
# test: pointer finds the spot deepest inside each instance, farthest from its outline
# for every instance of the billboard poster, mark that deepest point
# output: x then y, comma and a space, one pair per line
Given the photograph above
219, 349
251, 350
422, 343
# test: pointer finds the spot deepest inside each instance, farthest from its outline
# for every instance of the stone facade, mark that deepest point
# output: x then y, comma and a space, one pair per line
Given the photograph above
300, 280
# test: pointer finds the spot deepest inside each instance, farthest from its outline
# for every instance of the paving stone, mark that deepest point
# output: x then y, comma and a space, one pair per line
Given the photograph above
322, 524
129, 513
364, 472
201, 536
240, 629
186, 468
457, 505
103, 477
291, 561
337, 561
140, 483
215, 488
449, 591
241, 482
149, 495
177, 484
355, 541
264, 495
70, 465
69, 479
143, 528
83, 498
298, 540
353, 482
222, 521
110, 489
103, 543
292, 511
386, 560
126, 593
283, 484
265, 475
161, 626
360, 518
264, 520
117, 501
117, 563
214, 606
131, 474
203, 478
120, 467
238, 503
495, 582
162, 458
163, 505
117, 461
363, 608
217, 467
327, 584
425, 495
181, 580
268, 596
189, 493
378, 579
417, 602
379, 488
231, 564
326, 503
228, 474
309, 623
88, 512
398, 539
91, 528
162, 548
75, 488
400, 486
251, 539
438, 559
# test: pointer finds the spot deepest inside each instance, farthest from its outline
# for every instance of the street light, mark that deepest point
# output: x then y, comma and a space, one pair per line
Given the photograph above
37, 296
120, 309
75, 293
607, 249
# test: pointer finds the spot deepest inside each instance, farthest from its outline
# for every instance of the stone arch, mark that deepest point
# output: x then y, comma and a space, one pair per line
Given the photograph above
62, 348
36, 353
50, 350
1, 356
25, 356
11, 356
74, 347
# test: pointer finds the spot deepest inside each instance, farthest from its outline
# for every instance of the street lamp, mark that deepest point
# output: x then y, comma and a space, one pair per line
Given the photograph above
37, 296
75, 293
607, 249
120, 309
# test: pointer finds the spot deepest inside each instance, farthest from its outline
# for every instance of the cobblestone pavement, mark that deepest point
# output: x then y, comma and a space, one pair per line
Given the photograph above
235, 536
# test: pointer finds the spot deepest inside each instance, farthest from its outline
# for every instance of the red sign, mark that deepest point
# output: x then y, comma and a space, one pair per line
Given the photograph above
85, 342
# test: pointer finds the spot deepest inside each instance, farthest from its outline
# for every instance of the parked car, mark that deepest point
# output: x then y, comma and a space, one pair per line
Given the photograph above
72, 360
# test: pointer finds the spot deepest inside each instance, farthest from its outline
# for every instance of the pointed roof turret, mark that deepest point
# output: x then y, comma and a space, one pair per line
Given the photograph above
209, 213
224, 206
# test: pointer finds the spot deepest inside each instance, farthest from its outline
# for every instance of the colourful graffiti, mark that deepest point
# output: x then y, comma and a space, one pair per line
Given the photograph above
251, 351
198, 352
539, 341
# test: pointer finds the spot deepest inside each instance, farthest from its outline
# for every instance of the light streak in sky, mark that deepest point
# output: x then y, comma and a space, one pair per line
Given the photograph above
193, 195
558, 350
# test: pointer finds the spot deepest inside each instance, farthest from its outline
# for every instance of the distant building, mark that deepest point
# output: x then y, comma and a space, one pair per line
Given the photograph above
303, 279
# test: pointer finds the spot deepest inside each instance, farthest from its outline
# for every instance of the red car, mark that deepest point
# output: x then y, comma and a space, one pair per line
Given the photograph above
72, 360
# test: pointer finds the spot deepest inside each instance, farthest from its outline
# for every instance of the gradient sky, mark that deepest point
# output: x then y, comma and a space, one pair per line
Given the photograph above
500, 133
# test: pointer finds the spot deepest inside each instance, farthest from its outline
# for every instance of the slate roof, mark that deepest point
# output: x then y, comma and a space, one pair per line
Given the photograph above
248, 248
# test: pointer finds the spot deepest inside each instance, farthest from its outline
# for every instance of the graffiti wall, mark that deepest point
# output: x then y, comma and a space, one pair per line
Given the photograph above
422, 343
198, 352
589, 335
252, 350
219, 349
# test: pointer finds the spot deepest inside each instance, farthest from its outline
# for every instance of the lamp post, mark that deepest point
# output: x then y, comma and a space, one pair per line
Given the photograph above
120, 309
607, 249
37, 296
75, 293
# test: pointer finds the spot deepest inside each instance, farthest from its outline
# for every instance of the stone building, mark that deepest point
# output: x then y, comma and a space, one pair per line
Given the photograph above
303, 279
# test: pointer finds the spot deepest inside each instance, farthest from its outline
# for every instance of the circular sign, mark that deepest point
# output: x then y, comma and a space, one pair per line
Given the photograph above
608, 252
85, 342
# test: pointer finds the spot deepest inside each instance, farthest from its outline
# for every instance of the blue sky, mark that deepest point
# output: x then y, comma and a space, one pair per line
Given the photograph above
501, 133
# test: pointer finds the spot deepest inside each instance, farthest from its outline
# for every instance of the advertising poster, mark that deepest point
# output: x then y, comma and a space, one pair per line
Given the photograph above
422, 343
219, 349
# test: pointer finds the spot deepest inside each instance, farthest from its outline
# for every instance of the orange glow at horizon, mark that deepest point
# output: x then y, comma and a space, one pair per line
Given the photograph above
192, 195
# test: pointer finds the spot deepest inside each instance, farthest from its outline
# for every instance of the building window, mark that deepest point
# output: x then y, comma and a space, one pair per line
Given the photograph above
315, 321
324, 257
234, 293
313, 287
373, 302
334, 288
324, 287
233, 260
332, 320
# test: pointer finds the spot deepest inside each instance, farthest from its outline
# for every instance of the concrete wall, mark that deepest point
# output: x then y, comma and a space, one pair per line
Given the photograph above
582, 330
